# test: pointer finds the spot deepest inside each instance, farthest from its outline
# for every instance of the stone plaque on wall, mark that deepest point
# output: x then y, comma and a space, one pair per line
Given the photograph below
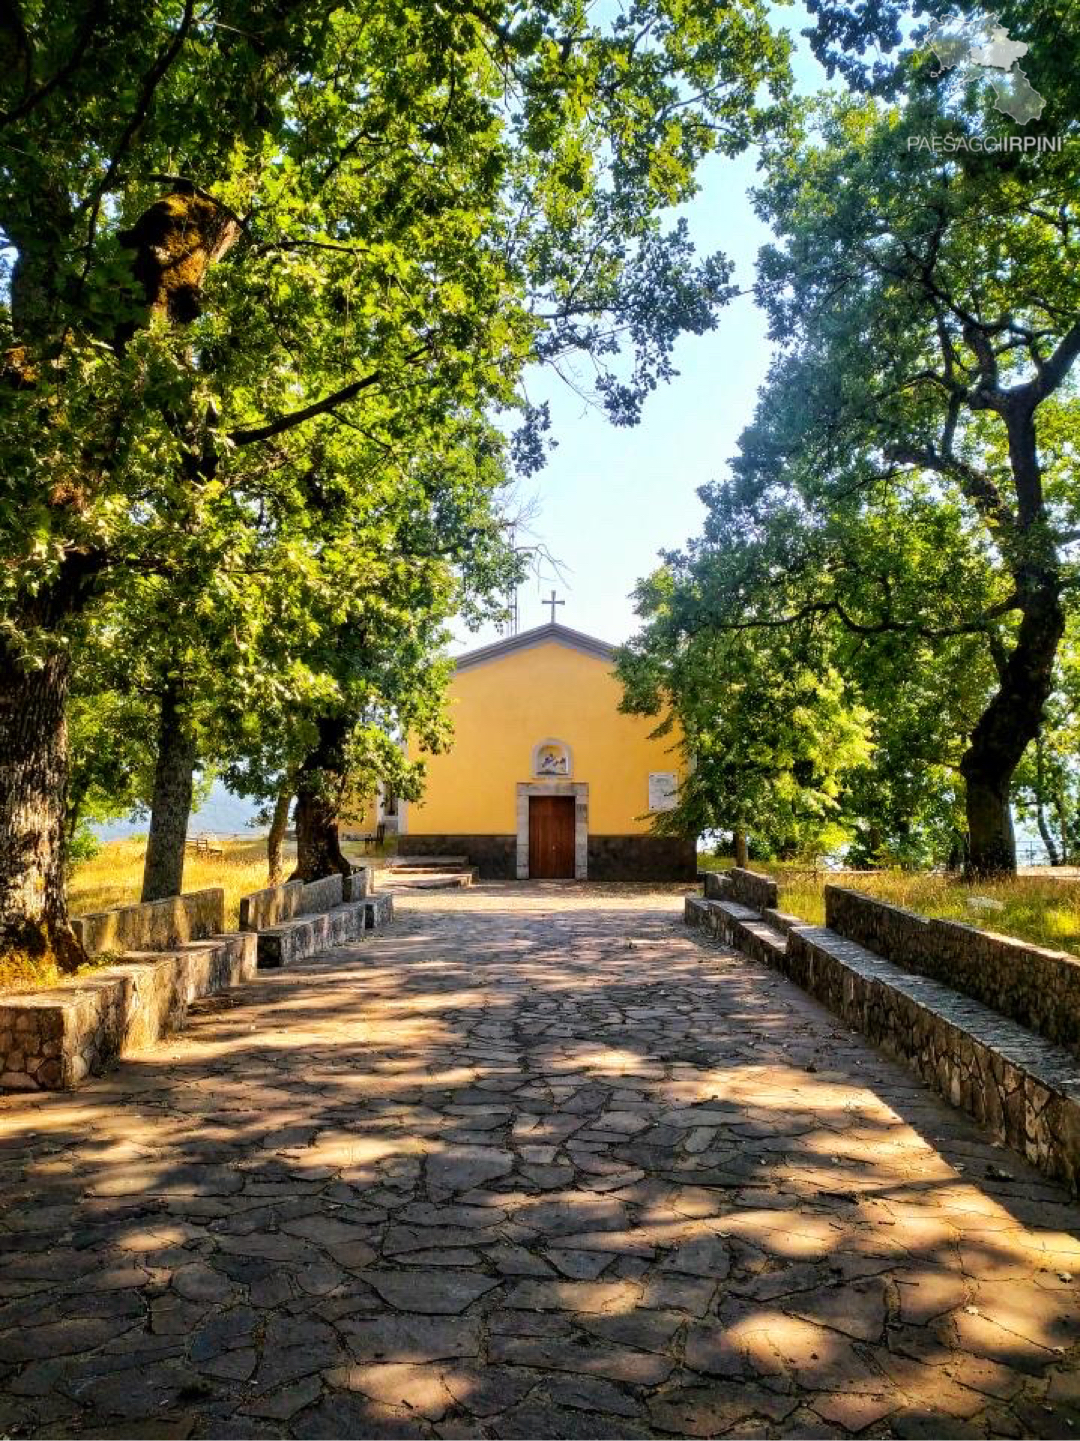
663, 790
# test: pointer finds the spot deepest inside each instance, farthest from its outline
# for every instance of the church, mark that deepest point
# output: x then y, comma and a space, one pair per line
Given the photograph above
546, 778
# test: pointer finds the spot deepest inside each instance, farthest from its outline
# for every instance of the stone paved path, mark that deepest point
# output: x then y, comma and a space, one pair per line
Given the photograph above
535, 1163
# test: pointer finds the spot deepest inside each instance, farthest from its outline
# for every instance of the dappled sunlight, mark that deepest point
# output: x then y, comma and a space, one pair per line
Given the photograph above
518, 1155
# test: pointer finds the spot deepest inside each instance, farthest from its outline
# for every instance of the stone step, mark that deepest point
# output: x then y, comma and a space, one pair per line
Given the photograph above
378, 911
427, 863
739, 926
304, 936
432, 880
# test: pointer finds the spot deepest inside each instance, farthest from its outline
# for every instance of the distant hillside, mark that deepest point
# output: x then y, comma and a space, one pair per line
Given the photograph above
223, 814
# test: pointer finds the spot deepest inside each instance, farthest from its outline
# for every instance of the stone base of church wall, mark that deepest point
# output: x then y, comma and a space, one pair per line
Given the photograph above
610, 858
494, 856
642, 858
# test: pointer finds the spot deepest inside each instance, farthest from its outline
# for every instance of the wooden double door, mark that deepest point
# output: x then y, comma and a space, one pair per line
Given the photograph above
551, 838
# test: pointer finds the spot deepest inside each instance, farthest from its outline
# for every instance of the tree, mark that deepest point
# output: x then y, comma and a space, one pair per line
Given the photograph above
237, 231
361, 661
1048, 778
769, 727
908, 470
905, 803
111, 764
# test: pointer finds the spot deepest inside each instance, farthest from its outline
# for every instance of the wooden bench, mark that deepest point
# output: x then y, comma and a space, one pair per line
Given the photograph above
205, 846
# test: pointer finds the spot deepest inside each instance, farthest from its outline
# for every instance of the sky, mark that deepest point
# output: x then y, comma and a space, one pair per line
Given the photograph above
610, 498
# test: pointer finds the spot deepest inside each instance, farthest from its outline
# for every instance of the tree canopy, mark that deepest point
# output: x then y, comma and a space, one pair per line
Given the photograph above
264, 255
907, 483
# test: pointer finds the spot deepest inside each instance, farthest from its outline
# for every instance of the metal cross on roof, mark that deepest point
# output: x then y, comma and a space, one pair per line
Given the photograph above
552, 602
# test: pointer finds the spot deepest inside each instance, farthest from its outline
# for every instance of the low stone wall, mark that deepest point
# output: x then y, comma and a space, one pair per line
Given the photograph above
751, 888
641, 858
378, 911
1024, 1088
1021, 1087
271, 906
54, 1039
748, 888
153, 925
494, 856
320, 895
276, 904
738, 926
360, 884
1038, 988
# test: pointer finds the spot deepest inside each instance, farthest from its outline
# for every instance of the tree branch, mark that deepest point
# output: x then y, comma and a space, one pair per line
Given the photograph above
975, 483
1057, 367
94, 16
157, 73
293, 418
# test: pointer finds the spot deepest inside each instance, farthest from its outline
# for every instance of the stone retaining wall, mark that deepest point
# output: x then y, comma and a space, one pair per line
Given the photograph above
736, 925
320, 895
153, 925
54, 1039
360, 884
276, 904
270, 906
717, 885
1038, 988
748, 888
1024, 1088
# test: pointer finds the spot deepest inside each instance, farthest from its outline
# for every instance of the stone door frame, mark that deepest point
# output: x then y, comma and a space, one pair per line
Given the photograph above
580, 791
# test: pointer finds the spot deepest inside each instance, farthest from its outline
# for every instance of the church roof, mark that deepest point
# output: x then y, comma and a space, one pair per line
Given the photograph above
539, 635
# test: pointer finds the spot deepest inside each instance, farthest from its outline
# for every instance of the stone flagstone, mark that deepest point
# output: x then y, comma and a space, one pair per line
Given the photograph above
536, 1162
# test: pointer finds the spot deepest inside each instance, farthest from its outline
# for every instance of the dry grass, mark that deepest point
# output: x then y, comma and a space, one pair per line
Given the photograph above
1044, 910
114, 878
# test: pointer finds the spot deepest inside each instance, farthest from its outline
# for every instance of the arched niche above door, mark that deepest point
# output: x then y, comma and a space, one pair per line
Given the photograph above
552, 757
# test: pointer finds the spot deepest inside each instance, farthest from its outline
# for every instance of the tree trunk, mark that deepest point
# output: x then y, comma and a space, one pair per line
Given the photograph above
163, 871
1047, 834
741, 853
319, 783
1063, 820
1004, 731
278, 825
1040, 809
33, 779
1013, 718
73, 812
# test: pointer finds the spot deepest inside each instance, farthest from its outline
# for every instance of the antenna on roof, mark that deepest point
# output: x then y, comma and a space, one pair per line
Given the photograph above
509, 626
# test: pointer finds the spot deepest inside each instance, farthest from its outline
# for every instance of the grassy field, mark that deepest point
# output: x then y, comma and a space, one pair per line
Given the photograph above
1043, 909
114, 878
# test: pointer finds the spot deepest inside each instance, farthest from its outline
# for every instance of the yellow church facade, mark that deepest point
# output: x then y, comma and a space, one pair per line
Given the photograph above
546, 778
